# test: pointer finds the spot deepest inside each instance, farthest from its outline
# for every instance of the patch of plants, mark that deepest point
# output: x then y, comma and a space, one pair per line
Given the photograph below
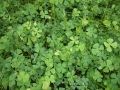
59, 45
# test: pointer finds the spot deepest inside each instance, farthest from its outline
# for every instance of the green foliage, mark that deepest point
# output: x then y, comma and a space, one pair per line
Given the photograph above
97, 49
59, 45
110, 44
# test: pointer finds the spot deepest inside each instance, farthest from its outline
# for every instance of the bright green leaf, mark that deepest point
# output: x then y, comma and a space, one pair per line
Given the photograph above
109, 49
107, 23
114, 45
45, 85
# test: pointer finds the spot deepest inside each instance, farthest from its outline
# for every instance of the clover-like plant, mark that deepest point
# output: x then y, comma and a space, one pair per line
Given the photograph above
71, 76
50, 78
109, 66
61, 68
74, 40
23, 77
97, 76
12, 80
59, 45
80, 47
75, 12
110, 44
44, 14
96, 50
91, 31
115, 78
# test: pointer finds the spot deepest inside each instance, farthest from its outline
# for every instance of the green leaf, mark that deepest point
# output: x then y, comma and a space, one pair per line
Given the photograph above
52, 78
108, 66
114, 23
3, 39
2, 46
106, 44
107, 23
57, 52
58, 44
74, 39
114, 78
109, 49
60, 1
53, 1
75, 12
20, 29
53, 71
47, 73
12, 83
114, 44
68, 74
109, 62
91, 31
5, 82
61, 68
80, 47
64, 56
110, 44
97, 76
102, 64
106, 70
37, 47
49, 63
96, 45
72, 1
44, 14
12, 80
110, 40
19, 77
96, 50
45, 85
84, 21
24, 77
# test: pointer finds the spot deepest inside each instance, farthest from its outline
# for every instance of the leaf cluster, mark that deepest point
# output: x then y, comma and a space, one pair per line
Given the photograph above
59, 45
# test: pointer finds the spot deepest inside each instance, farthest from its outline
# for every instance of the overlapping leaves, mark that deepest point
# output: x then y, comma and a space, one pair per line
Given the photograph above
59, 44
109, 44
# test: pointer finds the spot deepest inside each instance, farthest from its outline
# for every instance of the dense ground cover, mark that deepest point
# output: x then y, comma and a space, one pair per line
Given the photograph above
59, 44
